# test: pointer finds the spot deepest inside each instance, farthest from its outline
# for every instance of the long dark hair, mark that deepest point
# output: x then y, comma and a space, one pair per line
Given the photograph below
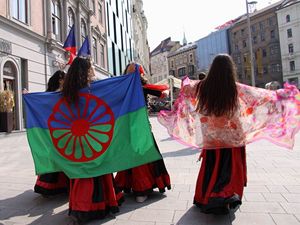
53, 83
217, 93
76, 78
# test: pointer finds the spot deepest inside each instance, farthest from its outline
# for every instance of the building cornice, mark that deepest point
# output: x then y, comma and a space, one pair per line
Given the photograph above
22, 29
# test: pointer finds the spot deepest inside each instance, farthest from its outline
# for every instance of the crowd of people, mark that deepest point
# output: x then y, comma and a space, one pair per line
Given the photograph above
223, 172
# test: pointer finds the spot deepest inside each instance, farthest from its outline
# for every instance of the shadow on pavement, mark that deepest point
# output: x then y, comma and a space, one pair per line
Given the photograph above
31, 208
195, 217
181, 152
128, 206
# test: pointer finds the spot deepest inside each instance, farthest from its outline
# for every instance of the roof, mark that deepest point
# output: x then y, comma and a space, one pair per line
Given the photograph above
184, 48
165, 45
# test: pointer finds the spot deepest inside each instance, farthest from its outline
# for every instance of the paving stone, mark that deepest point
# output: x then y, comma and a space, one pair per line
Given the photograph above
152, 215
254, 197
274, 197
291, 208
252, 219
262, 207
283, 219
292, 197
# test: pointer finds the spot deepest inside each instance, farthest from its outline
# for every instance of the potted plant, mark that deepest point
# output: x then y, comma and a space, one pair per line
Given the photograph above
6, 110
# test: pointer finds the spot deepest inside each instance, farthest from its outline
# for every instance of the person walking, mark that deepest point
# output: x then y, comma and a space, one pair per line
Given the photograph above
221, 116
143, 179
95, 197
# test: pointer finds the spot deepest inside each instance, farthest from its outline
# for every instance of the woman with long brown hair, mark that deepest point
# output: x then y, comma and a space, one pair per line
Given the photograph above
95, 197
57, 182
222, 175
143, 179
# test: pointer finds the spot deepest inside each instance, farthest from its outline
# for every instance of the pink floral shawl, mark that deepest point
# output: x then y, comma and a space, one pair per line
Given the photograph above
263, 114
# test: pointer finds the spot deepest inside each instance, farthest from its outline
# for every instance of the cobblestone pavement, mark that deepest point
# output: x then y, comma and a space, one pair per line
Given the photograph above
271, 197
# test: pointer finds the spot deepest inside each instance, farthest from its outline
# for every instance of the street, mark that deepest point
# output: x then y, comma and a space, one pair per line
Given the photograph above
272, 196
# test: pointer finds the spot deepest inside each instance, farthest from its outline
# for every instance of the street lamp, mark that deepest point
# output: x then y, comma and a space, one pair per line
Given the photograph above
250, 43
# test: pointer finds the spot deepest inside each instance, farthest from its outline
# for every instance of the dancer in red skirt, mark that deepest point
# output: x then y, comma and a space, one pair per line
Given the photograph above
223, 174
53, 183
143, 179
90, 198
221, 180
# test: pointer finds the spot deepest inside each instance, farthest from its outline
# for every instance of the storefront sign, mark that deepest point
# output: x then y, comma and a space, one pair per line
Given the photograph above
5, 46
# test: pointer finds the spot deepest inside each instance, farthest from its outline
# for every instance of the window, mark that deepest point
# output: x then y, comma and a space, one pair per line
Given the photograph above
274, 50
93, 5
262, 36
191, 58
181, 72
289, 33
264, 53
20, 10
95, 50
56, 19
102, 55
294, 81
271, 21
261, 25
236, 47
191, 70
265, 70
291, 48
253, 28
242, 32
172, 64
254, 40
272, 34
244, 44
287, 18
71, 19
83, 30
100, 13
292, 65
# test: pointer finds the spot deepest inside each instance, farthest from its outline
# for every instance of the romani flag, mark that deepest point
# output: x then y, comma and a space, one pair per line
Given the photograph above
70, 45
107, 131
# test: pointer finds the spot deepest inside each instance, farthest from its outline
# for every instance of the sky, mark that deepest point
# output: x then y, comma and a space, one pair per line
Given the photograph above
195, 18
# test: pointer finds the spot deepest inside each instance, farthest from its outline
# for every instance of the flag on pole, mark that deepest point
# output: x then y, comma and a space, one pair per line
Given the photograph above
70, 45
85, 48
107, 131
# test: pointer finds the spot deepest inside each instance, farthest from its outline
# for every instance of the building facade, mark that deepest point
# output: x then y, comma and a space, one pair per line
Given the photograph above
119, 35
159, 61
266, 47
288, 15
140, 39
209, 46
32, 34
183, 61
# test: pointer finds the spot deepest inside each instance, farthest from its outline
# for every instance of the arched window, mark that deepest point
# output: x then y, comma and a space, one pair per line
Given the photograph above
71, 18
83, 30
288, 18
56, 19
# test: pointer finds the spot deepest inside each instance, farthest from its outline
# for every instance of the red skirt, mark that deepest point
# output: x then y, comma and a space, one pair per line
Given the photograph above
143, 179
221, 180
52, 184
93, 198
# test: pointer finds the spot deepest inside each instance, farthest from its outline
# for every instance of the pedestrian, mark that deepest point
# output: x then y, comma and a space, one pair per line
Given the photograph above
201, 75
221, 116
95, 197
52, 183
143, 179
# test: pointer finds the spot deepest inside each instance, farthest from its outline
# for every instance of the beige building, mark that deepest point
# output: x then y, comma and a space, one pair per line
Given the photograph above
140, 26
159, 61
183, 61
32, 34
266, 46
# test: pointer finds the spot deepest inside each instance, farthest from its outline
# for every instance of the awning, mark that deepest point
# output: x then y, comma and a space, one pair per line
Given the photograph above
177, 82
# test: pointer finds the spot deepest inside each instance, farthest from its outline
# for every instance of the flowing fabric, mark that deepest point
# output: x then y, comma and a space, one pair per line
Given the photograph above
262, 114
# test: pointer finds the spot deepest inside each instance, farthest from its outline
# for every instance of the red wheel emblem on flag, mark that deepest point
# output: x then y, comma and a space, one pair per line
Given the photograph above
81, 132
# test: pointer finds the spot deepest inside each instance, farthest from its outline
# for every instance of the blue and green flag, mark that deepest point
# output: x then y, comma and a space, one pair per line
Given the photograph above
106, 131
